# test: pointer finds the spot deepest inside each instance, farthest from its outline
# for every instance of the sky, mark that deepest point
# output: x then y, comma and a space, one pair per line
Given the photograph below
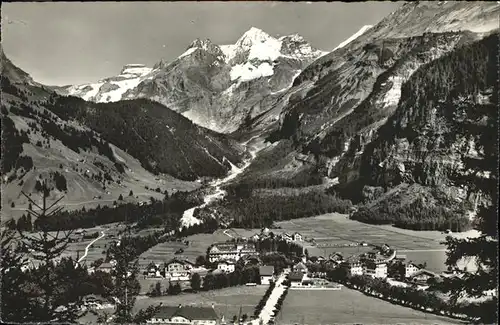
80, 42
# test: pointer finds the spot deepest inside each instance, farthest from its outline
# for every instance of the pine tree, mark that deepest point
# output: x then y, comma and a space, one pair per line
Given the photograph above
15, 305
485, 247
52, 299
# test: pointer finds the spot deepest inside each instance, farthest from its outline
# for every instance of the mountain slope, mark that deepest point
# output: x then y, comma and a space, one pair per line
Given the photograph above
77, 145
338, 105
218, 87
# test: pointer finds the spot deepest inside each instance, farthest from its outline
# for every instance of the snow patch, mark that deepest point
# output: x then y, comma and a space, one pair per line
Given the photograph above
354, 36
247, 71
189, 51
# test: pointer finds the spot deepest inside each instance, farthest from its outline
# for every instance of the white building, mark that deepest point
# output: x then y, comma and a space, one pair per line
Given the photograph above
410, 269
266, 273
230, 251
376, 270
297, 237
354, 267
227, 266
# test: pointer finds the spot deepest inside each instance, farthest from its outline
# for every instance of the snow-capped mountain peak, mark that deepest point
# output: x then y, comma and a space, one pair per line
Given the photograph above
360, 32
254, 36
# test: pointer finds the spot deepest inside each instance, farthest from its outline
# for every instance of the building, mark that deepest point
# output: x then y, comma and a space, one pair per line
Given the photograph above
295, 279
266, 274
353, 266
422, 276
177, 270
230, 251
193, 315
336, 257
153, 270
105, 267
300, 267
376, 270
287, 236
410, 269
297, 237
226, 266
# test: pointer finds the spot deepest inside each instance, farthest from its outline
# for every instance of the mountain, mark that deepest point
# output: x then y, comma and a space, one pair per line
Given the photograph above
216, 86
335, 119
360, 32
94, 152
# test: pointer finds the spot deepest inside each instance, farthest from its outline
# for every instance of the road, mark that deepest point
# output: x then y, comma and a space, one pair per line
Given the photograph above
90, 244
267, 311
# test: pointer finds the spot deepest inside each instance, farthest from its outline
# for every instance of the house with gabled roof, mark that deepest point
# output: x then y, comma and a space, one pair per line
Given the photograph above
266, 273
177, 270
297, 237
185, 315
226, 266
300, 267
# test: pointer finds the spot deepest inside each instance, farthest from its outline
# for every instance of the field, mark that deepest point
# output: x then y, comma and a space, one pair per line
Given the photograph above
198, 245
337, 229
349, 306
226, 301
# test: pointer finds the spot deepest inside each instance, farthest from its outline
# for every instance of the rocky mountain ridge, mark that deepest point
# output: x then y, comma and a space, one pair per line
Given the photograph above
218, 87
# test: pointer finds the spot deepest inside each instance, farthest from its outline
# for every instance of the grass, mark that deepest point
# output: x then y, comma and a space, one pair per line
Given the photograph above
226, 301
198, 245
349, 306
334, 228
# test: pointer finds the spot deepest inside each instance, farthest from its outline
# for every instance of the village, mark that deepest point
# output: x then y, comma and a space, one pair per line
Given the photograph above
277, 261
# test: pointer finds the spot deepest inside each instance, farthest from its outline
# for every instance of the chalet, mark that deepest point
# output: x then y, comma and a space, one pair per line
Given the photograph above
300, 267
297, 237
353, 266
153, 270
185, 315
375, 269
385, 248
234, 251
226, 266
422, 276
336, 257
286, 236
177, 270
295, 279
410, 269
266, 273
105, 267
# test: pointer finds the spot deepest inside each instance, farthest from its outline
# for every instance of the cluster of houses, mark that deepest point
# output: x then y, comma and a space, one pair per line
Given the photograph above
265, 233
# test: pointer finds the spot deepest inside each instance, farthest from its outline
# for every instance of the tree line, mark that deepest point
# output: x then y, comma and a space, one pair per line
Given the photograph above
415, 216
416, 298
262, 211
165, 212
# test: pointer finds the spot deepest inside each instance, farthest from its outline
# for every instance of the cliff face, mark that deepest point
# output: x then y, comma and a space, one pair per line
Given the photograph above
370, 117
439, 123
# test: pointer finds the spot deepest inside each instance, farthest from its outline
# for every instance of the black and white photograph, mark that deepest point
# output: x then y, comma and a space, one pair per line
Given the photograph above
249, 162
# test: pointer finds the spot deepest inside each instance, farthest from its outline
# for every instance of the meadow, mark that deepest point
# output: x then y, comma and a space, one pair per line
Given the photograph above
198, 245
348, 306
227, 302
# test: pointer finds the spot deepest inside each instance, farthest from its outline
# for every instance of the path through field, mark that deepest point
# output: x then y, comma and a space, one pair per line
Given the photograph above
90, 244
